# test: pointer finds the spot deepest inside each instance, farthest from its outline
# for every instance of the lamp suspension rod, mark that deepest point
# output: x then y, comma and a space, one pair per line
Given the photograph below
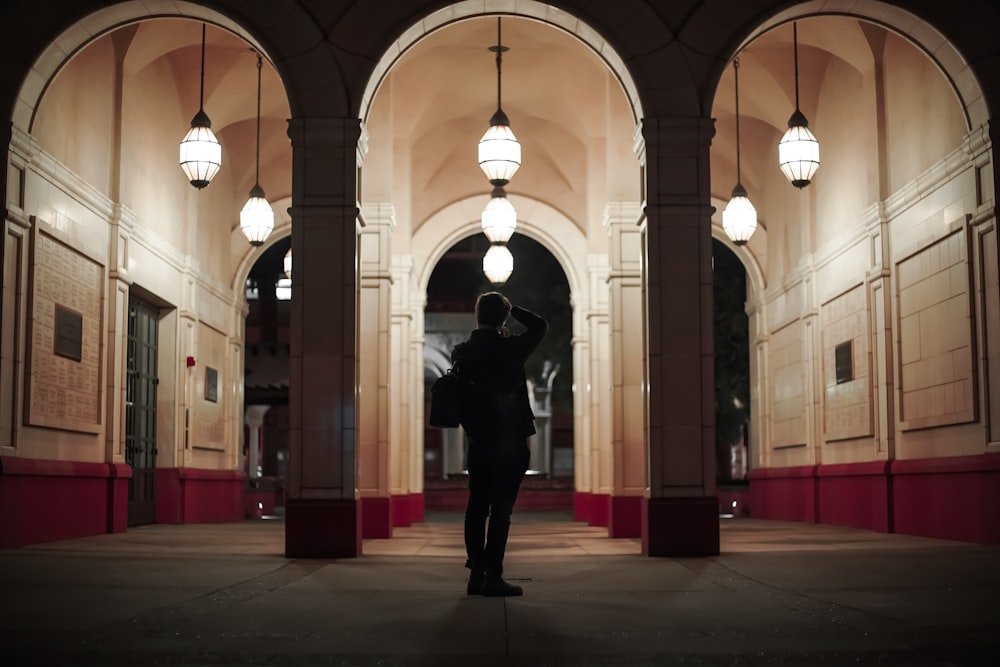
257, 172
500, 50
795, 48
736, 76
201, 94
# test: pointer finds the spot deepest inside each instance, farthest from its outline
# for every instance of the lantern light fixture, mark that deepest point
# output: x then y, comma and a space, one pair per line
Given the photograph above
499, 217
499, 150
798, 150
257, 216
200, 151
286, 264
739, 218
498, 263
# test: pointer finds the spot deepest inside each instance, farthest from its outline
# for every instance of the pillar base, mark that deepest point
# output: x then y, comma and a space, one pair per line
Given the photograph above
625, 519
376, 518
417, 507
600, 507
329, 528
399, 510
680, 526
581, 505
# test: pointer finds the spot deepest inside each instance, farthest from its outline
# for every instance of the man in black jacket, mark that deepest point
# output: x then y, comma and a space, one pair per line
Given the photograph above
498, 419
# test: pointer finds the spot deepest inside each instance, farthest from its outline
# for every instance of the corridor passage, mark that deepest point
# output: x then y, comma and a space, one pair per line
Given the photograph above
223, 594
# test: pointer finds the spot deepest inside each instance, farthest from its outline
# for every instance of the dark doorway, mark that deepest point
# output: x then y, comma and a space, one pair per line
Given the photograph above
140, 410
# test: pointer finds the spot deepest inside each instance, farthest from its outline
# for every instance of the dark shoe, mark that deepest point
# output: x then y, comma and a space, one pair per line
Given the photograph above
497, 587
476, 579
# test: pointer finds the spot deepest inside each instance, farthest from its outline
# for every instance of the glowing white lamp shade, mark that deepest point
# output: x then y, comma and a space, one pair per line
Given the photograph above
499, 151
257, 217
798, 151
739, 218
498, 264
499, 217
200, 152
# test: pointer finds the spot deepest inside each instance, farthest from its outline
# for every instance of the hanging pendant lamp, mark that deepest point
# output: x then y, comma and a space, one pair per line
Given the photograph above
798, 150
739, 218
200, 151
257, 217
499, 150
499, 217
498, 263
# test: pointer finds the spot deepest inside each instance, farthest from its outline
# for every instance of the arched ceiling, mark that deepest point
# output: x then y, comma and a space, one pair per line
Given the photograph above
562, 100
767, 87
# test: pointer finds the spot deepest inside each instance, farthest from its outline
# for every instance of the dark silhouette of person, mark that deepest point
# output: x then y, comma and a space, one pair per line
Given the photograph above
497, 418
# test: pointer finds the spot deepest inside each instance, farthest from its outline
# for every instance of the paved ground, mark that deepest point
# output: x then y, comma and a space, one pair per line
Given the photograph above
780, 593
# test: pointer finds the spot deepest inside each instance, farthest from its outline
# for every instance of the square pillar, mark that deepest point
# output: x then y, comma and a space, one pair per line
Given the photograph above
322, 517
681, 516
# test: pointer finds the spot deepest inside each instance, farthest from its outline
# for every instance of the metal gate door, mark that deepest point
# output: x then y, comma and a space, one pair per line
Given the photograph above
140, 410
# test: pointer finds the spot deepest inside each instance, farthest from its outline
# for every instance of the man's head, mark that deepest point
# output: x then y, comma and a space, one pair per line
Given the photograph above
492, 309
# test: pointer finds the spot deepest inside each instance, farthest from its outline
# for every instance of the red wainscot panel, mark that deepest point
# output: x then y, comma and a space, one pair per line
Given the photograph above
787, 494
625, 517
43, 500
399, 509
855, 495
195, 495
416, 508
954, 498
376, 518
581, 505
600, 510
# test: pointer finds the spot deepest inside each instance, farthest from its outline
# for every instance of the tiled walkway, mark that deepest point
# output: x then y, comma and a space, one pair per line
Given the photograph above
780, 593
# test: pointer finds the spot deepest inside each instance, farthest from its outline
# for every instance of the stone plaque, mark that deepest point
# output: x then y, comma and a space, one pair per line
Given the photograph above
69, 333
65, 320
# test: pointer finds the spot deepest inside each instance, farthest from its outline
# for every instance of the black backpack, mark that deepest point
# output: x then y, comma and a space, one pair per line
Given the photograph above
446, 400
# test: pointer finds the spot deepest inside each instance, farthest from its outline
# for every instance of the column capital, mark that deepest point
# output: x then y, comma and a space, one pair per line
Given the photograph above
378, 214
677, 160
677, 132
326, 156
324, 132
622, 213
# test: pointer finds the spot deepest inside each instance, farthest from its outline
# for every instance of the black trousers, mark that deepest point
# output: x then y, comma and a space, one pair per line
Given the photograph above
496, 469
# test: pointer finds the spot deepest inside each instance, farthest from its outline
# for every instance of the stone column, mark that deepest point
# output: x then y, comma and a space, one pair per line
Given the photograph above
581, 410
187, 333
599, 455
625, 309
681, 513
119, 238
255, 422
403, 393
322, 514
375, 453
416, 420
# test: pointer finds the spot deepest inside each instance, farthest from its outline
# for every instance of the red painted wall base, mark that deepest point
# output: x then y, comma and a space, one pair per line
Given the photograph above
625, 519
399, 510
43, 500
581, 505
376, 518
322, 528
600, 510
416, 508
680, 526
956, 498
194, 495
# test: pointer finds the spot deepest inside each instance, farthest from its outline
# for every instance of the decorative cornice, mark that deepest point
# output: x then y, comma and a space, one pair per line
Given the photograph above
964, 157
59, 174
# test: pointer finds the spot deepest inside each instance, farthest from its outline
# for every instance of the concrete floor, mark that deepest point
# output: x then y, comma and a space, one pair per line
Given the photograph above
223, 594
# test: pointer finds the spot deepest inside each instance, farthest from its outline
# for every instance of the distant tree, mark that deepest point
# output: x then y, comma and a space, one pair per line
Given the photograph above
732, 353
